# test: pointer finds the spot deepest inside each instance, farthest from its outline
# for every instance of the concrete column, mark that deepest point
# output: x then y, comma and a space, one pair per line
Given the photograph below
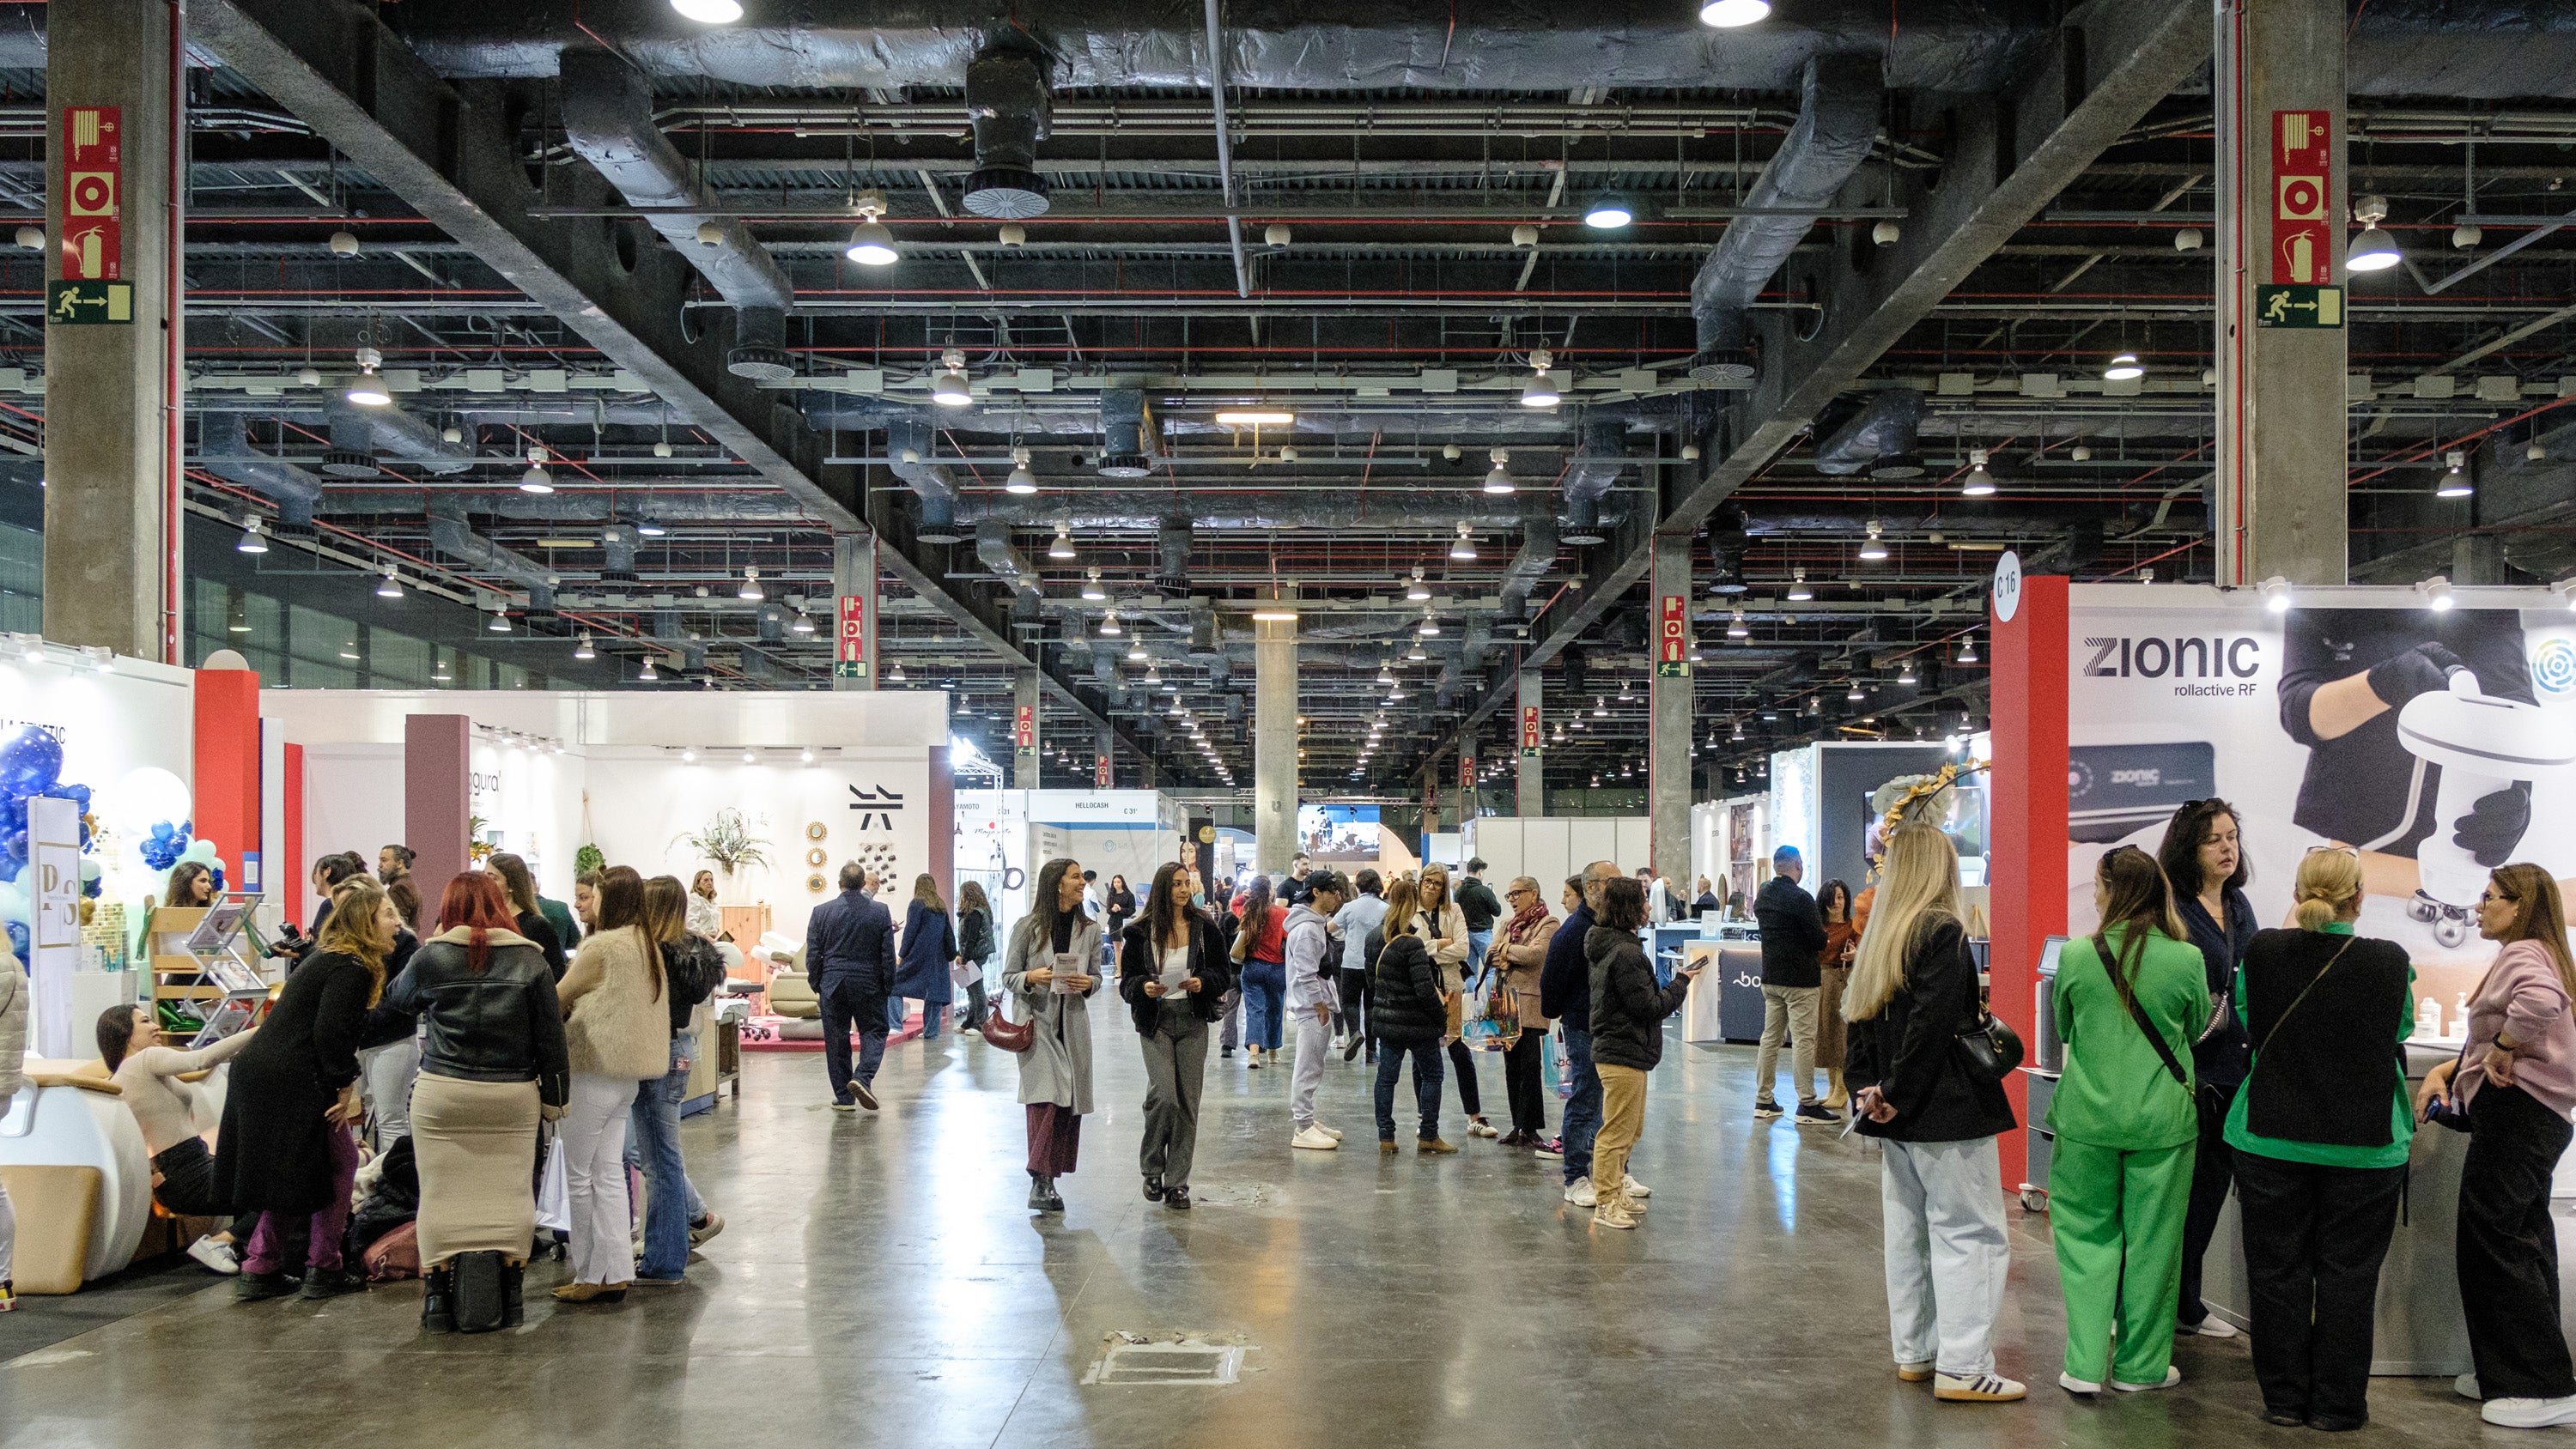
1025, 714
854, 611
112, 331
2283, 221
1530, 781
1274, 743
1668, 703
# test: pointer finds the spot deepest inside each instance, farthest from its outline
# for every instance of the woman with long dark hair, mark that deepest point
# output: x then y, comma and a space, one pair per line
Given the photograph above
191, 884
493, 1062
1444, 935
2125, 1127
1833, 974
1049, 967
1407, 1014
1121, 904
675, 1217
2321, 1133
1265, 971
168, 1108
285, 1151
974, 946
1171, 973
1913, 993
521, 887
929, 949
2516, 1080
2203, 854
617, 1033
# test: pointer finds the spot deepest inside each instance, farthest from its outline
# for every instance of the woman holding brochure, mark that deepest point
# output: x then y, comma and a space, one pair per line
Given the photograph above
1172, 970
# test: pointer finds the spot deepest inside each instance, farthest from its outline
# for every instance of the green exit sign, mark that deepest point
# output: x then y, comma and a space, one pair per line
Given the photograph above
2298, 306
76, 304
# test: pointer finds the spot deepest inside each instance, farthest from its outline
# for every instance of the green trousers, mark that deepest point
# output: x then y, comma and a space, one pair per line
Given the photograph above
2118, 1217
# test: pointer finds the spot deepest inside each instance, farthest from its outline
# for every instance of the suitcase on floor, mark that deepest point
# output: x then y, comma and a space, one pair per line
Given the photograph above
481, 1294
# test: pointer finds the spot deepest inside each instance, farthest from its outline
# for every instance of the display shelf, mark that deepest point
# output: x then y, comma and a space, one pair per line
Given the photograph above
203, 957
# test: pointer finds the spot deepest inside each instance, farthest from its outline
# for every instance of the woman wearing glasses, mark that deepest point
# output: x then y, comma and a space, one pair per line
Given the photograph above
2205, 859
2516, 1081
2320, 1134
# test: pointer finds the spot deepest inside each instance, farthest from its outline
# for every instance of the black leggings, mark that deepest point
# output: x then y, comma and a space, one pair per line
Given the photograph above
1462, 1065
188, 1186
1521, 1080
2507, 1250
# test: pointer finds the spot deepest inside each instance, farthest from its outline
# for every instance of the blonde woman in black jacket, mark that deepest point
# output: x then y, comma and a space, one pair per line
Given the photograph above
1913, 992
1408, 1014
1628, 1012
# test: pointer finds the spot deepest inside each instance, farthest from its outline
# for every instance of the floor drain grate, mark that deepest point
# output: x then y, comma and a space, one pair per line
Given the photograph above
1185, 1364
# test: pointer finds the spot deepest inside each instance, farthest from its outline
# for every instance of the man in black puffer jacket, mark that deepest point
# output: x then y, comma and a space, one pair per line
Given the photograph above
1408, 1014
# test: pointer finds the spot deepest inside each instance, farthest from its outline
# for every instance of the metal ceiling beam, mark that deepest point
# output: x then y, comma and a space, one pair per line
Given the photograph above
445, 151
2111, 62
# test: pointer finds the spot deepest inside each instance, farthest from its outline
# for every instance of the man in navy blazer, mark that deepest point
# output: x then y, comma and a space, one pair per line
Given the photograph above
849, 958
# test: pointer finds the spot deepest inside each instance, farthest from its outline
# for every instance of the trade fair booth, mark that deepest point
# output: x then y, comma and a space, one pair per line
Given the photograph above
2114, 704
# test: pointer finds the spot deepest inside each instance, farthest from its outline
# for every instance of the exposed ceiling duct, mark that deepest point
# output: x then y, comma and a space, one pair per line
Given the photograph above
1838, 114
619, 540
607, 114
224, 441
1879, 440
1537, 555
1589, 475
1006, 103
1172, 557
994, 549
695, 505
1084, 508
1127, 438
910, 442
451, 535
359, 433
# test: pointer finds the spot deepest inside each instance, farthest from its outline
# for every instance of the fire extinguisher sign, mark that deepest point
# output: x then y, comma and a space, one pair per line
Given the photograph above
1672, 638
89, 246
1529, 732
2304, 227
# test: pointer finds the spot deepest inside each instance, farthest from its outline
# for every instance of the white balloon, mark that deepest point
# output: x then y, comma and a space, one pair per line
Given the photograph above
143, 799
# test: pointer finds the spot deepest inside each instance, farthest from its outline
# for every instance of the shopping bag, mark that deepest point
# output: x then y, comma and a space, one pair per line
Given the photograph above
554, 1205
1493, 1017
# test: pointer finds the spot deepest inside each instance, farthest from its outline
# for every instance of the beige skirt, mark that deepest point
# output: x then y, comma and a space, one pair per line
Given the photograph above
1829, 1018
476, 1143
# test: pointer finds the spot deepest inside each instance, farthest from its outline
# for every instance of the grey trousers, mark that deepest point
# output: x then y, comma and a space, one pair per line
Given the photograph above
1314, 1044
1231, 1004
1175, 1070
1787, 1011
385, 1075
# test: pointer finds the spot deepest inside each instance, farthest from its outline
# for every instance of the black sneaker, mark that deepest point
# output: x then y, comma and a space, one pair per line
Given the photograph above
252, 1287
332, 1282
1812, 1114
1764, 1111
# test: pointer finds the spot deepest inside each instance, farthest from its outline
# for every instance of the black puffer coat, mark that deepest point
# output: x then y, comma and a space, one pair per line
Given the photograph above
1406, 1005
1628, 1009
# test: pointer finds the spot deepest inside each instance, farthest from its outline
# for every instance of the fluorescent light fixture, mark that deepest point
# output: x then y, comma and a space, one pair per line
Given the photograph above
2123, 368
1274, 614
646, 528
709, 12
1255, 418
2276, 594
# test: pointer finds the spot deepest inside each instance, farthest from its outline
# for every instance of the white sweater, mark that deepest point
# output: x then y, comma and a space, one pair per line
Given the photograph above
615, 1022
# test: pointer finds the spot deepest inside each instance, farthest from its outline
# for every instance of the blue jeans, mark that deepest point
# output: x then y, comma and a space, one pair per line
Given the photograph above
1265, 1004
896, 1011
653, 1145
1583, 1107
897, 1008
1477, 944
1426, 1086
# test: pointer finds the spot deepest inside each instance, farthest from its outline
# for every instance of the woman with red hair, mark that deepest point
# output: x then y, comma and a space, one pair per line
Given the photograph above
492, 1063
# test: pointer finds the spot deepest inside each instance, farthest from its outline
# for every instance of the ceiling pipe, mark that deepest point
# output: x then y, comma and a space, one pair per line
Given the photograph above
1879, 440
450, 535
911, 442
1589, 475
223, 439
1225, 149
1536, 556
358, 434
607, 113
1172, 556
1839, 104
620, 541
1007, 104
698, 505
993, 548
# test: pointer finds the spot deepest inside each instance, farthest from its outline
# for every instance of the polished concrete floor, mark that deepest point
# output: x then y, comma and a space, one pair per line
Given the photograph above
881, 1283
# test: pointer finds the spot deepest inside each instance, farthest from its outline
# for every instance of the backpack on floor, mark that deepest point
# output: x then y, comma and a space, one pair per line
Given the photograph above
480, 1301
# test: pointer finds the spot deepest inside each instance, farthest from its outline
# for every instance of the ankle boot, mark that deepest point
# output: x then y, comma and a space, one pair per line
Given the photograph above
437, 1304
513, 1278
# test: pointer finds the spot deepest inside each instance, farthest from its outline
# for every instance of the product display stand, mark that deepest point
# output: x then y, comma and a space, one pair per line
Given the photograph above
206, 980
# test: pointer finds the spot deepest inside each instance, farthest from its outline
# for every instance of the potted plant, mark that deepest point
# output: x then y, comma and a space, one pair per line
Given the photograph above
727, 842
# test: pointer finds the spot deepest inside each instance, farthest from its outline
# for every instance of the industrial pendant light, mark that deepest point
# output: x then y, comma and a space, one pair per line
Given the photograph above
1092, 589
750, 591
253, 538
1109, 625
1021, 480
1872, 548
391, 588
1540, 391
2455, 480
368, 391
1063, 545
1609, 212
1465, 545
1736, 627
1799, 593
2374, 250
1979, 483
535, 479
582, 649
500, 617
871, 245
804, 624
1733, 14
2123, 368
1417, 590
1968, 650
646, 675
950, 389
709, 12
1499, 480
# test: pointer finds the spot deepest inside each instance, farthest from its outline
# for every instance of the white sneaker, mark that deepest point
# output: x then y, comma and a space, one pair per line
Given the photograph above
218, 1257
2211, 1327
1479, 1127
2173, 1376
1975, 1389
2466, 1386
1333, 1132
1315, 1140
2529, 1413
1637, 1189
1579, 1193
2073, 1385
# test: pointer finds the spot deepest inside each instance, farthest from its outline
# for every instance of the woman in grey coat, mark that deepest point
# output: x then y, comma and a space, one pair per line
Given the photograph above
1049, 968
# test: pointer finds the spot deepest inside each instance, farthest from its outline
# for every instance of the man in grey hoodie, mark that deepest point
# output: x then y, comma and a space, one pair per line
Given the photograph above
1311, 998
1362, 912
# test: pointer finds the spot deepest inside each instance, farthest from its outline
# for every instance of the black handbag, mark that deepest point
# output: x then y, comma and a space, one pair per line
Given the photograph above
1991, 1049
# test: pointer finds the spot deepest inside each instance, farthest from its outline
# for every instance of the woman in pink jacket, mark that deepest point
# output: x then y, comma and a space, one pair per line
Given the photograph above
2516, 1080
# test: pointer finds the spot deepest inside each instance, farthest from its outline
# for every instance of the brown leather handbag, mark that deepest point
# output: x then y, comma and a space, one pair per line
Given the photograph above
1001, 1031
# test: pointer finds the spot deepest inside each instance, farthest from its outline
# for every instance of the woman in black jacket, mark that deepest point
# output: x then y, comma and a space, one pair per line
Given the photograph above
2204, 857
492, 1063
1408, 1014
285, 1150
1913, 993
1628, 1012
974, 947
533, 927
1171, 972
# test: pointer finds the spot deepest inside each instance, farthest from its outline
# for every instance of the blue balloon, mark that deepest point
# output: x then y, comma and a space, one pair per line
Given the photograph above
18, 938
30, 758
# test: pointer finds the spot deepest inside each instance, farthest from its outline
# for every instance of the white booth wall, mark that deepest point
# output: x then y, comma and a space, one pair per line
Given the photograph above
1550, 848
